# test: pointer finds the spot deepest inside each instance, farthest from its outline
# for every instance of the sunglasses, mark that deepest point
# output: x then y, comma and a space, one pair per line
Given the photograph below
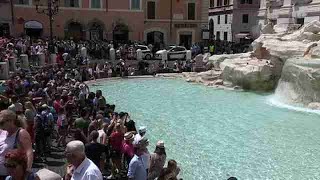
7, 165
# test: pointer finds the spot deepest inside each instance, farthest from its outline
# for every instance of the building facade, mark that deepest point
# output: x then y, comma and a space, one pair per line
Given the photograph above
5, 18
119, 20
288, 12
153, 21
233, 20
178, 22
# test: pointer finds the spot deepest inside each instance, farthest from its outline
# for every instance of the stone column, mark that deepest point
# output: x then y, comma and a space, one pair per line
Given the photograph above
24, 61
83, 52
42, 59
188, 55
53, 59
263, 4
139, 55
4, 70
112, 54
285, 20
287, 3
12, 64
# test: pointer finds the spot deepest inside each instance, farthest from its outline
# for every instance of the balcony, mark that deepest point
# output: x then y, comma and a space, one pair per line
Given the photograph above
221, 8
248, 6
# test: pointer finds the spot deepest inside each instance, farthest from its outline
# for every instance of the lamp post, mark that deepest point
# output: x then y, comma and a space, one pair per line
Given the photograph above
51, 10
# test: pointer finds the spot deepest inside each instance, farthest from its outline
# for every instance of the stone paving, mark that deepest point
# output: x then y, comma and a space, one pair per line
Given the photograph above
55, 161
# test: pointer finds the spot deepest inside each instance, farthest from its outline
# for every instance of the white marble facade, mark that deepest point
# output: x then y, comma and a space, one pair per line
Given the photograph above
285, 13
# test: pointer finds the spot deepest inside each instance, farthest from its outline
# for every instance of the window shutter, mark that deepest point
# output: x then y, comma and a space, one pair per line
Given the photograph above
67, 3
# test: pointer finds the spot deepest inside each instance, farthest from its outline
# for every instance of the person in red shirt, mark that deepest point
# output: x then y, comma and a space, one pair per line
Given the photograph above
57, 103
60, 60
127, 147
116, 139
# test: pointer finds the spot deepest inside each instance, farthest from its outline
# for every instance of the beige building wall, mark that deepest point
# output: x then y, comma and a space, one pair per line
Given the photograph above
174, 28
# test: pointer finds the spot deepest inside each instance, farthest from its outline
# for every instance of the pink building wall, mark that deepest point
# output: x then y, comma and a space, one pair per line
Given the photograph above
117, 11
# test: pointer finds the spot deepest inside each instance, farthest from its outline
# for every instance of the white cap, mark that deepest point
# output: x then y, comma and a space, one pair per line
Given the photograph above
142, 129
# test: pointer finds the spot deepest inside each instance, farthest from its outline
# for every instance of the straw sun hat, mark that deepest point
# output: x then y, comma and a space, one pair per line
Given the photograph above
128, 136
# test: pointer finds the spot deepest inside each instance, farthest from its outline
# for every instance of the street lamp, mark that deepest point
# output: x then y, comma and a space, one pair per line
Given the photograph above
51, 10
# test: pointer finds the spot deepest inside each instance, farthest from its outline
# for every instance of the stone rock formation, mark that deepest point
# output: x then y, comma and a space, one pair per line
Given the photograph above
250, 74
288, 59
314, 52
261, 68
309, 32
300, 81
314, 105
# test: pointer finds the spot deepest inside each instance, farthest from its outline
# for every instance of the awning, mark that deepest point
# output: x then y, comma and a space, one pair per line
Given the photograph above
242, 35
33, 25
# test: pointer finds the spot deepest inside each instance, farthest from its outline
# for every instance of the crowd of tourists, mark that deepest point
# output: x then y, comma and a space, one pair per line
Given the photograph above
69, 50
227, 47
51, 105
70, 55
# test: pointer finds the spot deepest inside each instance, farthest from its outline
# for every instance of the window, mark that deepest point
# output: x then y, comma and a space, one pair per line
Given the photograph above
246, 1
225, 36
180, 49
218, 35
218, 19
71, 3
219, 3
176, 49
95, 4
226, 2
4, 29
226, 19
211, 28
300, 21
245, 18
211, 3
135, 4
191, 11
23, 2
274, 21
142, 48
151, 9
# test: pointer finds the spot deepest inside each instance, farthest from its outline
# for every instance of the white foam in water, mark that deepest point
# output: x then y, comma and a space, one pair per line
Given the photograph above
275, 101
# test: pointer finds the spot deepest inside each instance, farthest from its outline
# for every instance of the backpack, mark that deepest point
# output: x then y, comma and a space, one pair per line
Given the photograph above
44, 125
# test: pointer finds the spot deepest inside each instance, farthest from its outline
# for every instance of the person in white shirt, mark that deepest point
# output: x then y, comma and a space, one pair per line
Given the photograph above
16, 106
80, 167
140, 135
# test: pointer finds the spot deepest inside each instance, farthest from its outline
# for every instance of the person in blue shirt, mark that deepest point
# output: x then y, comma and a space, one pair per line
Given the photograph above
137, 169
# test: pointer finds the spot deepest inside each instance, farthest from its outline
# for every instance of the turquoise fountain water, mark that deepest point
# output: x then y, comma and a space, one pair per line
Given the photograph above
215, 134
